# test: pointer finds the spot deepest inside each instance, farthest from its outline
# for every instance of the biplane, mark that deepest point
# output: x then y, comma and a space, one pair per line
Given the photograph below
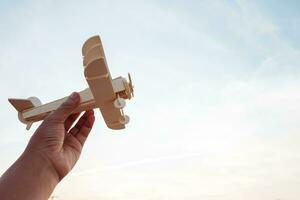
103, 92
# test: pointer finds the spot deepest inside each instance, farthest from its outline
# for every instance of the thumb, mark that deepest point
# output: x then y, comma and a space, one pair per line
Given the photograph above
65, 109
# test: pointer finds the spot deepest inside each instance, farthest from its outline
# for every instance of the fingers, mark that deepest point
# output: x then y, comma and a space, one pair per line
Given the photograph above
83, 127
63, 112
80, 122
70, 120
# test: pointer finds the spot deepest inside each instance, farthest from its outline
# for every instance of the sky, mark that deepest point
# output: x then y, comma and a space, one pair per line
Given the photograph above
216, 109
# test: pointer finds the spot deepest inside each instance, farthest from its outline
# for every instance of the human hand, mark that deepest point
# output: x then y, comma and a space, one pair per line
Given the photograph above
51, 153
56, 142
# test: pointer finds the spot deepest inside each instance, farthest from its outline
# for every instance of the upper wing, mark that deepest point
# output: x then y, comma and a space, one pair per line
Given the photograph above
92, 49
90, 43
99, 79
100, 82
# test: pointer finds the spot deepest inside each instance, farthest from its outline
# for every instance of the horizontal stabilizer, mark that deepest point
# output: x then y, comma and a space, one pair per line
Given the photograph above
21, 104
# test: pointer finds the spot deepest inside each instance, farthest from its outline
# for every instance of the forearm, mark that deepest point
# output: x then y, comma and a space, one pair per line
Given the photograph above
31, 177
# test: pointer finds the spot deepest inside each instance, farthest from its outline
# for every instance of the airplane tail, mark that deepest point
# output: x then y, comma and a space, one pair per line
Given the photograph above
23, 104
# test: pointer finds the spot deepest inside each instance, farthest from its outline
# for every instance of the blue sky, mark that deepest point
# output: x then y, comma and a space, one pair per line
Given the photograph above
216, 112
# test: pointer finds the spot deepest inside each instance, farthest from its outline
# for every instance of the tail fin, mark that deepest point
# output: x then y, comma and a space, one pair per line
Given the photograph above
21, 104
24, 104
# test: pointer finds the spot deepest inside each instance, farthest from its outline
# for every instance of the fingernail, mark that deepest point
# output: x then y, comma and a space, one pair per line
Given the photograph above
74, 96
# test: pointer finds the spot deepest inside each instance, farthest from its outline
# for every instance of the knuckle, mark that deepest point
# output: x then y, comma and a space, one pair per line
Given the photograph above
53, 118
66, 107
68, 104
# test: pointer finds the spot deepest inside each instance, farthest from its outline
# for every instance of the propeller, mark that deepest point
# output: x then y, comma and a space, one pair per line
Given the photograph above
130, 84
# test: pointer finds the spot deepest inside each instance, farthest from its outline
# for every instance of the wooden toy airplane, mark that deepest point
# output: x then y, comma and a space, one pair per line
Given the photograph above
104, 92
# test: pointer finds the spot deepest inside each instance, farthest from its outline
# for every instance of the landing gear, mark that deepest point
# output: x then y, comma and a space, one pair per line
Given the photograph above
36, 102
124, 119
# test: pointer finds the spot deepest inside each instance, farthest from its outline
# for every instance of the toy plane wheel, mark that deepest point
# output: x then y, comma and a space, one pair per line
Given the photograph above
119, 103
124, 119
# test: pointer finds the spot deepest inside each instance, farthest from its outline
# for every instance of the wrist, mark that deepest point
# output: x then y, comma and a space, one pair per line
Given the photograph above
32, 176
40, 169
